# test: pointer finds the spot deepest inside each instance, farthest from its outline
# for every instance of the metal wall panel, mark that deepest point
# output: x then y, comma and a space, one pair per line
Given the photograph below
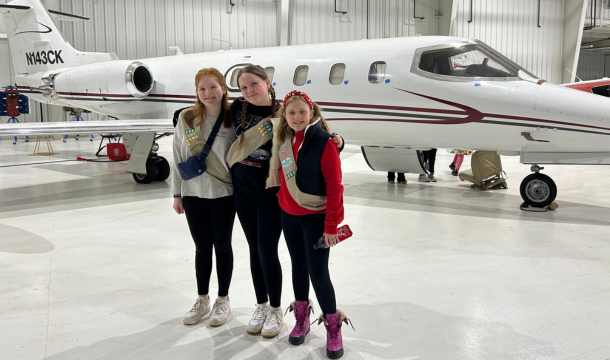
511, 27
315, 21
395, 18
601, 12
592, 66
135, 29
143, 28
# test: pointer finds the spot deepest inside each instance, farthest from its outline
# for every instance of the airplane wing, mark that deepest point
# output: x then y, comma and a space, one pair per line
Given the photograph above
88, 127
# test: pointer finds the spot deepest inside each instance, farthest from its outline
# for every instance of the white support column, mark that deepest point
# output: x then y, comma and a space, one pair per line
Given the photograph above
444, 9
282, 19
573, 23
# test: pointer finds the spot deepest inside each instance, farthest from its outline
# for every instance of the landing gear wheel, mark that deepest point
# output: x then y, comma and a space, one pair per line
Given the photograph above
538, 190
163, 169
151, 173
64, 140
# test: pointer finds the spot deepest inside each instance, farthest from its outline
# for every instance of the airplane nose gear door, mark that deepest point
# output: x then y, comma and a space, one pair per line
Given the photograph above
387, 158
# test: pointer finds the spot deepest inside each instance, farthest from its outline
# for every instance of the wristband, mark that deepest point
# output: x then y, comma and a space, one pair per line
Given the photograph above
177, 196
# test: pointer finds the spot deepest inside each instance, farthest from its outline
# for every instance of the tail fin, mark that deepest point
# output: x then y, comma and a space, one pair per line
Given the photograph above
35, 42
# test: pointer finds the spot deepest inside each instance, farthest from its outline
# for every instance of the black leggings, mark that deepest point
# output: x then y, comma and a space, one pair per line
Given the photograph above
392, 176
430, 157
301, 233
211, 224
259, 215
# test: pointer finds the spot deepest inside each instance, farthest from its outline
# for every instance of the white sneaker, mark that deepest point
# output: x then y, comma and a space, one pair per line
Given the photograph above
432, 178
258, 319
220, 312
200, 308
274, 322
423, 178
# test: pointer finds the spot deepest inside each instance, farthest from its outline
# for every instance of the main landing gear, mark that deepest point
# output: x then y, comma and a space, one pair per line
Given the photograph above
157, 168
538, 191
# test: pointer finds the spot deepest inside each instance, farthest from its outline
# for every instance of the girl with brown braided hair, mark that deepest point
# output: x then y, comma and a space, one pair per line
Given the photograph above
256, 203
257, 207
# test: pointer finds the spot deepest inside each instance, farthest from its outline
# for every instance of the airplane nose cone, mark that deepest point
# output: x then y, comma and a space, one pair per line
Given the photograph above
565, 101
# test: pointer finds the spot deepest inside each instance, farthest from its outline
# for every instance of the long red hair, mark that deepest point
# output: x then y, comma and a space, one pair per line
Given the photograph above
194, 116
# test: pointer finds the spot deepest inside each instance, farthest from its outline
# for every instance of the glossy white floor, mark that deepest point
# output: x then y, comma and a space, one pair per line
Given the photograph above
94, 266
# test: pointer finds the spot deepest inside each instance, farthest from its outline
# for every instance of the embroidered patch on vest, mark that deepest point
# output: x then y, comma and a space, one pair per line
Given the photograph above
194, 146
286, 162
284, 154
266, 129
190, 138
289, 175
190, 131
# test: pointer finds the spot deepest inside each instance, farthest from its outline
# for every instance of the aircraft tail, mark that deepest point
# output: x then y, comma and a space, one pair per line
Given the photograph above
35, 42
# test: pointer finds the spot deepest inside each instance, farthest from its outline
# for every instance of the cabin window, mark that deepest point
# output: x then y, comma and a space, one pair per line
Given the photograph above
233, 81
337, 72
270, 72
300, 75
377, 72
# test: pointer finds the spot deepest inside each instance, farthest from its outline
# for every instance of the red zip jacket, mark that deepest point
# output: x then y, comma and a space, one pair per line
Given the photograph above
331, 169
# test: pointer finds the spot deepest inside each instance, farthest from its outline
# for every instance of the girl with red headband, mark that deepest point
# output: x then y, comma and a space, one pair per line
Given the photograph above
255, 196
311, 199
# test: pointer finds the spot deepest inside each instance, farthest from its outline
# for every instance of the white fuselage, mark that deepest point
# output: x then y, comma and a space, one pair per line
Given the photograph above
404, 110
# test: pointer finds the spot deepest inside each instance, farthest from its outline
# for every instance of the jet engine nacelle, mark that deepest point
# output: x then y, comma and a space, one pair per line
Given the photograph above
385, 158
116, 79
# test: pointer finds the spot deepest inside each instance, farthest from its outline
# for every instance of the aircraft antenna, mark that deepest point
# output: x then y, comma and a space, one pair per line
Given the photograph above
230, 46
573, 74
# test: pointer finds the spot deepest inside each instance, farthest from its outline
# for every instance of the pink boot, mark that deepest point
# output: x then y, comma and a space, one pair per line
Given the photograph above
334, 340
301, 309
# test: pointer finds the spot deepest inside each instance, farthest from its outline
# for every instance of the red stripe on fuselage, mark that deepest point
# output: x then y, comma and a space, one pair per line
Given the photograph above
98, 95
544, 121
473, 114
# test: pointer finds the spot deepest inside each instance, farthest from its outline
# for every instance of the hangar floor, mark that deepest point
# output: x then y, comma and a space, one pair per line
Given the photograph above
94, 266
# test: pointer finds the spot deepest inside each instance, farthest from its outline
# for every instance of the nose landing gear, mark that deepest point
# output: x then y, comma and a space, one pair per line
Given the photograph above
538, 190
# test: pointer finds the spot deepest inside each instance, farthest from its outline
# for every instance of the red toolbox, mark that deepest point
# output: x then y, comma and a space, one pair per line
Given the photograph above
117, 151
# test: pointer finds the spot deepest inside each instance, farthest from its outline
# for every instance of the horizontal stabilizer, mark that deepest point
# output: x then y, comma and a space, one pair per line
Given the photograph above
5, 8
66, 17
87, 127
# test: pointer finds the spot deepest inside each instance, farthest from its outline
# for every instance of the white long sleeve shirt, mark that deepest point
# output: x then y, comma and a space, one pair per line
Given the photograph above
203, 186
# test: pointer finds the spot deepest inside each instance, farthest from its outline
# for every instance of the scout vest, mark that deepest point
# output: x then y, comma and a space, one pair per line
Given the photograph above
307, 185
254, 138
195, 141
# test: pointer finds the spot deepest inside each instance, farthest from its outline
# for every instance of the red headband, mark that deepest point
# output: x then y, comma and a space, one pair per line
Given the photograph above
301, 94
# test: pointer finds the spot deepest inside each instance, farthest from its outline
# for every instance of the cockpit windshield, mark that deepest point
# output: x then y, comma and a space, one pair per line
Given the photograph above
455, 62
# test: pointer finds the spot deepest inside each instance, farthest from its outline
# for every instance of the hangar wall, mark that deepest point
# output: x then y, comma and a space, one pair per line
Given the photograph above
593, 66
136, 29
315, 21
146, 28
511, 27
143, 28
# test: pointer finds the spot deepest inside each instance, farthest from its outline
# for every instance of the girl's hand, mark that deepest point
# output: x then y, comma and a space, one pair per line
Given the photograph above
331, 239
178, 207
338, 140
